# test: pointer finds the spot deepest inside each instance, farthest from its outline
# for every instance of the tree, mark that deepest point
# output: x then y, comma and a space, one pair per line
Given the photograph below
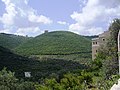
69, 81
111, 62
7, 79
109, 53
9, 82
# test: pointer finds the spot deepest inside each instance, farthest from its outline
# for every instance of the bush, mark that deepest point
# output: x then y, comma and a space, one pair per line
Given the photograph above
9, 82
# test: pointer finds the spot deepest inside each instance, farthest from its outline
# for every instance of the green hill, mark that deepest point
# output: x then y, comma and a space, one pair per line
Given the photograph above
38, 68
91, 37
11, 41
56, 43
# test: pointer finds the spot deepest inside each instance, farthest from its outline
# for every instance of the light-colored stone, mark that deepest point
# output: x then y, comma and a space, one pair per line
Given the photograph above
98, 42
116, 86
27, 74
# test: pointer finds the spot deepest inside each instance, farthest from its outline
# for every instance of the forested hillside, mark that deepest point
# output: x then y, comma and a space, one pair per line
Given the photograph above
57, 42
38, 68
11, 41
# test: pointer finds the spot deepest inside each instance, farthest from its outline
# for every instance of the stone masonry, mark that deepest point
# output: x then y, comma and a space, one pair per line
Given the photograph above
98, 42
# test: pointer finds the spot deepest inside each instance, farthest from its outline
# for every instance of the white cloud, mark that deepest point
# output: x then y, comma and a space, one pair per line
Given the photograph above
20, 15
74, 26
95, 16
8, 17
94, 31
31, 31
82, 30
5, 31
62, 23
39, 19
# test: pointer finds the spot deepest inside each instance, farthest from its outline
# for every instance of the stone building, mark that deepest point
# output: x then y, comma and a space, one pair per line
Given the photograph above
98, 42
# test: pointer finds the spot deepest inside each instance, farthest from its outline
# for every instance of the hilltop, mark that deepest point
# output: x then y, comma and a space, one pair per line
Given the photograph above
11, 41
55, 43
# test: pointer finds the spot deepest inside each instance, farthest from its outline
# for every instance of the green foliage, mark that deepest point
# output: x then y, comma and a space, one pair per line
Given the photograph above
110, 67
9, 82
103, 84
108, 54
56, 43
11, 41
83, 58
39, 68
91, 37
110, 64
68, 82
7, 78
96, 64
114, 29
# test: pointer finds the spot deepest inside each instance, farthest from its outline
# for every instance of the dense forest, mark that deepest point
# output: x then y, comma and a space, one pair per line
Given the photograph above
66, 66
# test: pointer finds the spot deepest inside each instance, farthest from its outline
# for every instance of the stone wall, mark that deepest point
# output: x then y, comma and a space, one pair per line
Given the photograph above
98, 42
95, 46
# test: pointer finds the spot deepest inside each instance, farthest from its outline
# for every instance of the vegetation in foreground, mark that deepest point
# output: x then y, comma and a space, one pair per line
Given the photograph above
8, 81
79, 80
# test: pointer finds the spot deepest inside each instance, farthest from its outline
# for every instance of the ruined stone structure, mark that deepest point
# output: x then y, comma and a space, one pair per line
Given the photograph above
99, 42
46, 31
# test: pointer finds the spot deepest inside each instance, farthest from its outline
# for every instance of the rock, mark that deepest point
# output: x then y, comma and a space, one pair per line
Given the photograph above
116, 86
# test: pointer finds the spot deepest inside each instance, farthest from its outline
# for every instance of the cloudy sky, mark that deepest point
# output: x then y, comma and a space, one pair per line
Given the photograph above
32, 17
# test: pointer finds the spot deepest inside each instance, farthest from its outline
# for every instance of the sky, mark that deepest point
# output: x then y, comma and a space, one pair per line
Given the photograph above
33, 17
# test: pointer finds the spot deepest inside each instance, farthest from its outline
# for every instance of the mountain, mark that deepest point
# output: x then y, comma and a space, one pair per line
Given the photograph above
91, 37
11, 41
55, 43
